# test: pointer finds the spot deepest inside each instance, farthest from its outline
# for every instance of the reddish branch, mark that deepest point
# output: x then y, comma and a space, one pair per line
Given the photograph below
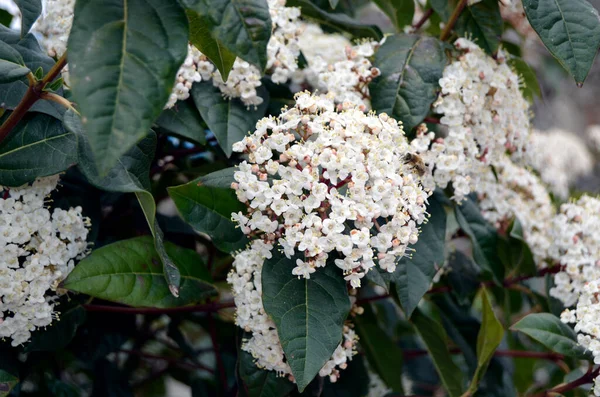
206, 308
453, 18
423, 19
587, 378
215, 343
34, 92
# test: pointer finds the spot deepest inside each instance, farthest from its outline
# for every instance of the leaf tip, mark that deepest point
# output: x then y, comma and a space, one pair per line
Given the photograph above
174, 290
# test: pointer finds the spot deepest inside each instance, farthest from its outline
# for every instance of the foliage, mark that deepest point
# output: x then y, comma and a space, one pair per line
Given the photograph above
457, 315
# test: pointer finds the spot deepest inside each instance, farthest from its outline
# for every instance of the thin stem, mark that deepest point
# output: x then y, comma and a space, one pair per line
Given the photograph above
423, 19
215, 343
452, 21
206, 308
34, 92
588, 377
58, 99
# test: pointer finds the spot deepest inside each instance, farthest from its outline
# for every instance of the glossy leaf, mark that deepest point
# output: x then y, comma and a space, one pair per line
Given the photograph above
435, 339
570, 29
58, 334
258, 382
488, 339
309, 313
208, 210
400, 12
131, 174
483, 237
123, 59
243, 27
483, 22
30, 11
38, 146
385, 357
184, 120
522, 256
229, 120
411, 67
548, 330
12, 66
130, 272
531, 86
414, 274
337, 21
203, 39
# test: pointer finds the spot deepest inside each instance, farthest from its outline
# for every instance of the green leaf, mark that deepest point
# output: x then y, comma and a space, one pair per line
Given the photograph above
58, 335
30, 11
522, 255
414, 274
123, 59
221, 178
484, 237
258, 382
129, 175
38, 146
243, 27
442, 8
385, 357
208, 210
9, 375
337, 21
489, 338
229, 120
482, 21
184, 120
309, 313
130, 272
411, 67
12, 66
570, 29
202, 37
435, 339
548, 330
530, 87
400, 12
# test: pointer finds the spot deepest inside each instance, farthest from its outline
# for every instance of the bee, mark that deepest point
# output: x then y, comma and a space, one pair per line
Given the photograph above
416, 162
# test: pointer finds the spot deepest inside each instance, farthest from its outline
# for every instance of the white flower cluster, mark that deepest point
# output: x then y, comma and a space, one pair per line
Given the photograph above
342, 183
345, 74
576, 247
593, 134
515, 192
485, 113
55, 25
244, 78
195, 68
560, 157
264, 345
37, 251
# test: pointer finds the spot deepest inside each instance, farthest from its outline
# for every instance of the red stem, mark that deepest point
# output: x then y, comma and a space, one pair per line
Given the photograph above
423, 19
220, 366
583, 380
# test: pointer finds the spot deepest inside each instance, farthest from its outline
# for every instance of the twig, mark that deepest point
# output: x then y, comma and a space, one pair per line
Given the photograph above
423, 19
34, 92
58, 99
206, 308
452, 21
215, 343
588, 377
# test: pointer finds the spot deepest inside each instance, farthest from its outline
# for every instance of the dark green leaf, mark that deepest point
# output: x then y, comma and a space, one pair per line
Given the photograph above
129, 175
385, 357
463, 276
337, 21
482, 21
522, 257
483, 237
553, 334
442, 8
9, 372
38, 146
435, 339
570, 29
208, 210
30, 11
488, 339
258, 382
229, 120
123, 59
400, 12
58, 335
203, 38
130, 272
241, 26
221, 179
414, 274
12, 66
411, 67
309, 313
184, 120
530, 86
353, 381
